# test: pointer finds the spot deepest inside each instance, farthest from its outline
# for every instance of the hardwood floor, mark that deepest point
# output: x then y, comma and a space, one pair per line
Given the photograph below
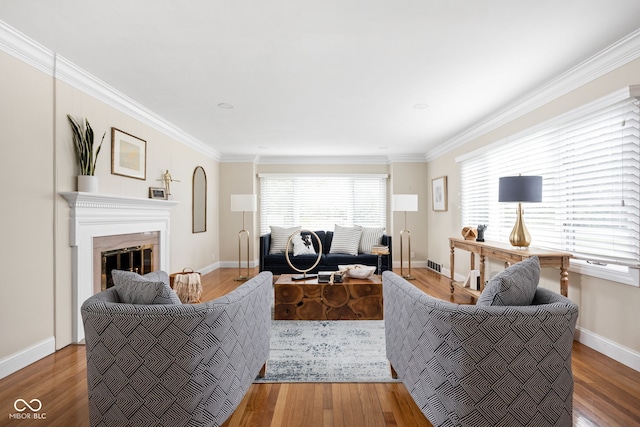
607, 393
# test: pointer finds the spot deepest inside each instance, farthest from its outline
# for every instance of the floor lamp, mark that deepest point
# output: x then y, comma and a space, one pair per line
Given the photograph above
405, 203
243, 203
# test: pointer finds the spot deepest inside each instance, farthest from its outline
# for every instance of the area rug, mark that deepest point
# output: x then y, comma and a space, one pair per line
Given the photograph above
327, 351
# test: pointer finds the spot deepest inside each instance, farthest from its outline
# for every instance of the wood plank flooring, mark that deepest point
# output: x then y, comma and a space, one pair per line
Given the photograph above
607, 393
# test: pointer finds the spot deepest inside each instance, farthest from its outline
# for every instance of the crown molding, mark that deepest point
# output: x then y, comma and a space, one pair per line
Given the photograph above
29, 51
618, 54
322, 160
338, 160
627, 92
75, 76
23, 48
239, 158
407, 158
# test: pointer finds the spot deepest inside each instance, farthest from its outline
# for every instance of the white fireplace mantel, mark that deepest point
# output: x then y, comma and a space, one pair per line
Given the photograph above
96, 215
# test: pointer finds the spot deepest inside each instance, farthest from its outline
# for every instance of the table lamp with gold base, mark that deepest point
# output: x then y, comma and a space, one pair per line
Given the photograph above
520, 189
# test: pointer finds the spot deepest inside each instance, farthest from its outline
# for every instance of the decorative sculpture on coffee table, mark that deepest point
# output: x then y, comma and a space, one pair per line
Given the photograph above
304, 272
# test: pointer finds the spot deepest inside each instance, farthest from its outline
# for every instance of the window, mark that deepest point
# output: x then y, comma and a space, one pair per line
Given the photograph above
318, 202
590, 163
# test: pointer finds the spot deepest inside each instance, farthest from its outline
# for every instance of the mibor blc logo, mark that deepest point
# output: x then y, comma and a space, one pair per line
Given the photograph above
28, 410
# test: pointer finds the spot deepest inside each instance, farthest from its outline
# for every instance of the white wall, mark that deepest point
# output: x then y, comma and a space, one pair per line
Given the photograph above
237, 178
26, 225
37, 163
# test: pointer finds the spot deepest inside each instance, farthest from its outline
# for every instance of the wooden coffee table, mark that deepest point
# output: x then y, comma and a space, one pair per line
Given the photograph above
353, 299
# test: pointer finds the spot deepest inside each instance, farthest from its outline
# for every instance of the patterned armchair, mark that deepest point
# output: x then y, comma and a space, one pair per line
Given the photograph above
476, 366
174, 364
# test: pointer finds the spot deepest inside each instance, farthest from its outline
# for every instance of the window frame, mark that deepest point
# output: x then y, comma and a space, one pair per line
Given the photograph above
383, 213
629, 275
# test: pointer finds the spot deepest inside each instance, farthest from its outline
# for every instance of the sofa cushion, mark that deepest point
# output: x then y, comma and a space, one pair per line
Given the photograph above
321, 235
332, 261
280, 237
370, 236
151, 288
328, 239
346, 240
278, 263
514, 286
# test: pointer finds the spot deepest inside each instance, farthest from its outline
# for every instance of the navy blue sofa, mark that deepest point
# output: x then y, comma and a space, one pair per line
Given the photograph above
277, 263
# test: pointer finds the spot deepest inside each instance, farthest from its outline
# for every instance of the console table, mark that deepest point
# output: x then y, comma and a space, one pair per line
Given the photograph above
509, 255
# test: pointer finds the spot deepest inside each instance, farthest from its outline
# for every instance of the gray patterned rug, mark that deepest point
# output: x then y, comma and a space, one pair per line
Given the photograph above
327, 351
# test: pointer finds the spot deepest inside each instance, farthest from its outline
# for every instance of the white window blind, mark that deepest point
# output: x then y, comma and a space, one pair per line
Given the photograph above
590, 166
318, 202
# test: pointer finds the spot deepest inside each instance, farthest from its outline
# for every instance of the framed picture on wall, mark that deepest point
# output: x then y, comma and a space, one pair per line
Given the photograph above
439, 193
128, 155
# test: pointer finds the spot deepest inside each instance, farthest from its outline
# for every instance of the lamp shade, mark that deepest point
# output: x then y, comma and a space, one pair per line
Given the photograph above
520, 189
243, 203
405, 202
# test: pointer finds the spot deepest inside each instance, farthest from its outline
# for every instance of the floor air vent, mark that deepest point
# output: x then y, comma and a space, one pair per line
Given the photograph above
434, 266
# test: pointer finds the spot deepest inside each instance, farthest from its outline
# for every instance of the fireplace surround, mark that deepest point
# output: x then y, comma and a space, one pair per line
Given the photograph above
128, 252
98, 215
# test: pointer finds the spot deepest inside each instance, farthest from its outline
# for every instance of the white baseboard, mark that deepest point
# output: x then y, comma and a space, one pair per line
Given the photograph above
414, 264
27, 356
209, 268
609, 348
234, 264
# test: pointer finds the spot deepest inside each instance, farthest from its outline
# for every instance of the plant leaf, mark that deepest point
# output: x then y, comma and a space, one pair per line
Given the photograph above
83, 142
97, 152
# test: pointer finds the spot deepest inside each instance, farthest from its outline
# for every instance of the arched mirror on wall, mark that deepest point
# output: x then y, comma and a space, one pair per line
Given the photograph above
199, 202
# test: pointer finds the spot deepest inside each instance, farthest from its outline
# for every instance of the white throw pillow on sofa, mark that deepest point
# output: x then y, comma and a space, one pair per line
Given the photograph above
279, 238
371, 236
346, 240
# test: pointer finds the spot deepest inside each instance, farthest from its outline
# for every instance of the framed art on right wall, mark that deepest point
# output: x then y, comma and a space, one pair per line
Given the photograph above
439, 194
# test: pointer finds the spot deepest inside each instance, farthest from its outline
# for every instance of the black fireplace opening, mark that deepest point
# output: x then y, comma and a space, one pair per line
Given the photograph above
138, 259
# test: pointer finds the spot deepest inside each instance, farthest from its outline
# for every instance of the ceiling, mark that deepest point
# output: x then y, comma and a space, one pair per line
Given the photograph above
329, 77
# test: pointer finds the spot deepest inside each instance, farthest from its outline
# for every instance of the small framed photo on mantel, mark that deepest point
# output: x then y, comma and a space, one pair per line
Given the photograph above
128, 155
439, 194
157, 193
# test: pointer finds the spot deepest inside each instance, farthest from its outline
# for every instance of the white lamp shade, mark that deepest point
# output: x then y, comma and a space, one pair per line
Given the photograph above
405, 202
243, 203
